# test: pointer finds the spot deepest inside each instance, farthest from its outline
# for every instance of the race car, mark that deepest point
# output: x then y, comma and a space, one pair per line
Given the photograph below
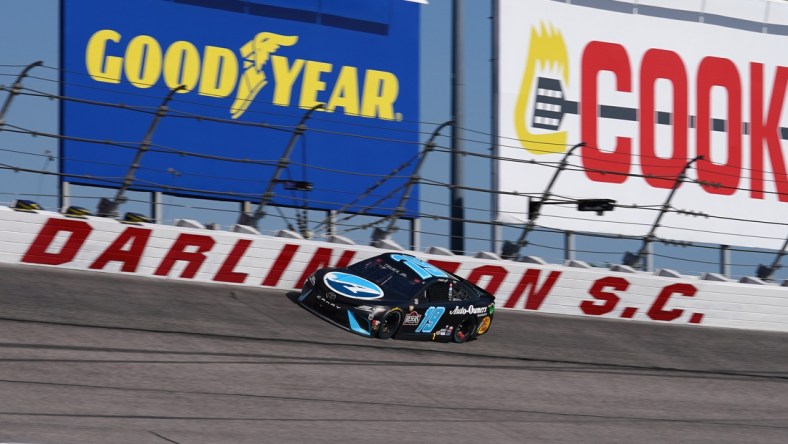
396, 295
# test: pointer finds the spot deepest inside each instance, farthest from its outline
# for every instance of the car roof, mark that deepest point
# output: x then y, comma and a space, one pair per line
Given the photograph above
414, 266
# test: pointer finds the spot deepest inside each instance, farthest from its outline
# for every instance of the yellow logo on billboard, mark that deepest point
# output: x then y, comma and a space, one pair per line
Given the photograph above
256, 54
546, 53
217, 72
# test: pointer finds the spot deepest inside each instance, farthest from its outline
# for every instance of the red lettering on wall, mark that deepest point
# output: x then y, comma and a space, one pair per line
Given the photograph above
536, 295
130, 257
178, 252
321, 259
451, 267
767, 131
227, 271
38, 254
345, 259
599, 57
719, 72
661, 64
497, 275
657, 311
600, 293
280, 265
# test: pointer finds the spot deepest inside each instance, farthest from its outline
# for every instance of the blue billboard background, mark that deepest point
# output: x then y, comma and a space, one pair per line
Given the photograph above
251, 70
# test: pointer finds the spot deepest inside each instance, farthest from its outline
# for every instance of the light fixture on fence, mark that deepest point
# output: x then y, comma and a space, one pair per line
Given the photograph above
26, 205
75, 211
297, 185
136, 218
599, 206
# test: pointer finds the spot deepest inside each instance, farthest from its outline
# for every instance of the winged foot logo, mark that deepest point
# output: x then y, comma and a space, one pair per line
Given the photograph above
256, 54
352, 286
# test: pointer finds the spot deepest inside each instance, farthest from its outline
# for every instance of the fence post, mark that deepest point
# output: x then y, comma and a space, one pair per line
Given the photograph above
109, 208
16, 88
268, 195
510, 250
635, 260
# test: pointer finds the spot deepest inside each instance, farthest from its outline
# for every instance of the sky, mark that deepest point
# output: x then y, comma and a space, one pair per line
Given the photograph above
32, 28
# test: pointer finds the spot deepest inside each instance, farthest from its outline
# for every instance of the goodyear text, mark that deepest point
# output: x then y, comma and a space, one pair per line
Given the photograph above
218, 72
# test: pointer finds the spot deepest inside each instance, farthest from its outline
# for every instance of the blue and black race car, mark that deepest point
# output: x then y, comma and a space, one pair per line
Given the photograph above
397, 295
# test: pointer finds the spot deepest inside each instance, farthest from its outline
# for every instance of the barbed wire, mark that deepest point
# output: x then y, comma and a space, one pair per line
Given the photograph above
379, 139
173, 188
517, 144
380, 198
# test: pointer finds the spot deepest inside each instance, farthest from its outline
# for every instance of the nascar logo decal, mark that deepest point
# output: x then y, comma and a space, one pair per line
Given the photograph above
352, 286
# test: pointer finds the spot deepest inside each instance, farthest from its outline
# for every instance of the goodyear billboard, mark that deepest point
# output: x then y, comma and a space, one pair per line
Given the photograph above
648, 87
244, 74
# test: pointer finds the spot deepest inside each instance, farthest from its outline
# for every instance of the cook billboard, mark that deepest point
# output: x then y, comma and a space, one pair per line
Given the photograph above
647, 89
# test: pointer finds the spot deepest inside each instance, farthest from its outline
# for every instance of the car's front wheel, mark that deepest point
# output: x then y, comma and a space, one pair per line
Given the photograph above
389, 324
464, 330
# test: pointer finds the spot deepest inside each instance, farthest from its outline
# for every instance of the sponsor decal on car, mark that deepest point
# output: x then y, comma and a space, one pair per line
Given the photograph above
352, 286
484, 326
322, 299
445, 331
412, 318
469, 310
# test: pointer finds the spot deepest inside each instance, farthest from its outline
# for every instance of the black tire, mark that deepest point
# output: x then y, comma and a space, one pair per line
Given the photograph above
464, 330
389, 324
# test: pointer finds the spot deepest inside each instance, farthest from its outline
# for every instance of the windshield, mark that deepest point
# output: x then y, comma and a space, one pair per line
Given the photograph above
395, 281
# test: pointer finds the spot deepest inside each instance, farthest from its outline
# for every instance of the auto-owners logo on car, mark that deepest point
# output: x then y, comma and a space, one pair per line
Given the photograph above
352, 286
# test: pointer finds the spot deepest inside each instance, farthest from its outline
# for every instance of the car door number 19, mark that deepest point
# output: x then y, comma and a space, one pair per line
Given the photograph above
431, 318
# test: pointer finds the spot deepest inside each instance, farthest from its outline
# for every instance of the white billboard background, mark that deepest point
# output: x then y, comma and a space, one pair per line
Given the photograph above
577, 26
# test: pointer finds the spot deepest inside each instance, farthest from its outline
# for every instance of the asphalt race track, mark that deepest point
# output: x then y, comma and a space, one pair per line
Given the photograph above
90, 358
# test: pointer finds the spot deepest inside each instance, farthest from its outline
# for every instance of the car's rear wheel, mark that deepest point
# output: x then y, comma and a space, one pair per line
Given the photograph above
389, 324
464, 330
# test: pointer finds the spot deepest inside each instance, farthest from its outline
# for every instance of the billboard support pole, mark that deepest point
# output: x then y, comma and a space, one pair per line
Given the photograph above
108, 207
634, 260
415, 234
268, 195
569, 246
495, 228
157, 206
331, 217
65, 194
457, 220
511, 250
16, 88
725, 260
